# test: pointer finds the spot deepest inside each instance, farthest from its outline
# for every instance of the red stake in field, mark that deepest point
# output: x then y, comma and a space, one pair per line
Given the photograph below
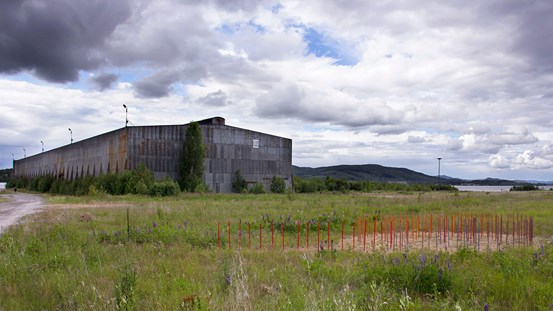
228, 229
328, 239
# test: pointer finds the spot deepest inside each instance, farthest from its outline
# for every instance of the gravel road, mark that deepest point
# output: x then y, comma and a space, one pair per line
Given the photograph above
20, 204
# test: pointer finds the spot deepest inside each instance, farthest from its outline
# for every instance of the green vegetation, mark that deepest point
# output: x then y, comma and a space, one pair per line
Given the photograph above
278, 185
137, 181
167, 258
239, 184
5, 174
310, 185
525, 187
192, 167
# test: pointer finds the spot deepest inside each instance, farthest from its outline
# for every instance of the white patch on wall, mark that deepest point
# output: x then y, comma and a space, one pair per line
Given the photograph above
255, 143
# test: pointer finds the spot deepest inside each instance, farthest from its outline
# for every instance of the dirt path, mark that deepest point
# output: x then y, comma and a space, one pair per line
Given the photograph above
19, 205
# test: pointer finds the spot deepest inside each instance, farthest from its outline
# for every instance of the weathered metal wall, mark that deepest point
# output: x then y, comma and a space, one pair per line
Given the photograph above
258, 156
230, 149
90, 157
158, 147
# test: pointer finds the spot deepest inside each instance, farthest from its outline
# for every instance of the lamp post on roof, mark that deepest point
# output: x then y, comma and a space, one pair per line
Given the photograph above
24, 153
71, 133
439, 181
42, 145
126, 115
13, 157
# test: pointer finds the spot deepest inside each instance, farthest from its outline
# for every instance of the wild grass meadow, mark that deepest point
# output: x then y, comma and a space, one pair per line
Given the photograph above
141, 253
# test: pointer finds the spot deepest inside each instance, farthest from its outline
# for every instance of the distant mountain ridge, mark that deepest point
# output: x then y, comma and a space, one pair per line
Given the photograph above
379, 173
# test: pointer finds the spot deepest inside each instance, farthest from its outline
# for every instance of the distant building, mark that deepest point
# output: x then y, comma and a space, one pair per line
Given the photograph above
258, 156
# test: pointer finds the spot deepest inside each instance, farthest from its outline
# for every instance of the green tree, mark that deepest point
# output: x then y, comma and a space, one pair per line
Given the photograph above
238, 182
192, 167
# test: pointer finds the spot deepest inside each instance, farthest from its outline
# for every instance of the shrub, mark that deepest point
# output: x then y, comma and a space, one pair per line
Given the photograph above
278, 185
257, 189
44, 183
238, 182
165, 188
525, 187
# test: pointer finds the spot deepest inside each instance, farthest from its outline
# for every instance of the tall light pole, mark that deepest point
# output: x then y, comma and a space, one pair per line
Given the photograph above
42, 145
126, 115
24, 153
13, 157
70, 131
439, 181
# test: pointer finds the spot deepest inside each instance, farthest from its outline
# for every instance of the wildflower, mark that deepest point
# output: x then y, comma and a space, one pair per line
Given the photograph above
422, 258
154, 224
486, 307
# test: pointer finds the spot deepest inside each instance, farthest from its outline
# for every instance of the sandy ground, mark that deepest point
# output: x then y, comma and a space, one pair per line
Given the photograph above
19, 205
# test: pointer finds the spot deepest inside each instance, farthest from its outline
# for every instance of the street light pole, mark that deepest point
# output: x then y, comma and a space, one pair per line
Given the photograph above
42, 145
24, 153
70, 131
439, 181
126, 115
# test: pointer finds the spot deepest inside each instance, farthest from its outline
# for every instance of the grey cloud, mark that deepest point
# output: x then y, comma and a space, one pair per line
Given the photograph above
217, 99
288, 100
415, 139
104, 81
511, 138
160, 83
153, 87
56, 39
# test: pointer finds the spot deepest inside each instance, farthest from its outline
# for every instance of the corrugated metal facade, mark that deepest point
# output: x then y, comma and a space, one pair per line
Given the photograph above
258, 156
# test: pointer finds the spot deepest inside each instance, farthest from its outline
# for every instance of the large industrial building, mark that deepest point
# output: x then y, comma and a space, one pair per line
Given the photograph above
258, 156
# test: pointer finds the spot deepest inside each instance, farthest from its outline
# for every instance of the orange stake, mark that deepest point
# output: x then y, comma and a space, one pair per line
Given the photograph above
328, 239
228, 229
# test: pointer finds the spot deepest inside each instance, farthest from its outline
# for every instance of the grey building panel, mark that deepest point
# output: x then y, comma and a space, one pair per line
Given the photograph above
228, 149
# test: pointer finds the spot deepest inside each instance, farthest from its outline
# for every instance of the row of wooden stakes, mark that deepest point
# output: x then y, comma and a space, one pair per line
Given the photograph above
385, 233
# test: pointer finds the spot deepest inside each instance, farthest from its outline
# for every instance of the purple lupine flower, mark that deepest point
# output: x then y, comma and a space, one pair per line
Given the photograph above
422, 258
227, 278
154, 224
405, 258
486, 307
449, 266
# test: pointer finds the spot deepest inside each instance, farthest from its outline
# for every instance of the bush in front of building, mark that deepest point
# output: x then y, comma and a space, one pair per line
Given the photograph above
278, 185
137, 181
164, 188
257, 189
238, 182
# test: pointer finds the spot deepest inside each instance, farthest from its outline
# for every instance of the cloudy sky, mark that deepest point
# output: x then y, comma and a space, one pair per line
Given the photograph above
396, 83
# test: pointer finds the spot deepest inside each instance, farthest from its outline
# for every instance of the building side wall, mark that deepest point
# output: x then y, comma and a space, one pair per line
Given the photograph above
230, 149
160, 148
90, 157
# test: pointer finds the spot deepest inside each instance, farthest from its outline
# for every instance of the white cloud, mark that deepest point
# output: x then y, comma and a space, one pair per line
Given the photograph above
466, 81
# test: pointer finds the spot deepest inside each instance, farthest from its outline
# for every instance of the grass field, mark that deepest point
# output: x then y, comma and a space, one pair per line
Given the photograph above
80, 254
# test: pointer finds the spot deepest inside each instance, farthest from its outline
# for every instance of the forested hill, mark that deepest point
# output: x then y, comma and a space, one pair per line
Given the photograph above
370, 172
379, 173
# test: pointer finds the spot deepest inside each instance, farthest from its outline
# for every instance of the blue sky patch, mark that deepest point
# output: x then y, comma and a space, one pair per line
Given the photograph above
322, 45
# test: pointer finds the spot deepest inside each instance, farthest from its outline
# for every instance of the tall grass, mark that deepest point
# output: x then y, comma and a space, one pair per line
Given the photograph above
83, 257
